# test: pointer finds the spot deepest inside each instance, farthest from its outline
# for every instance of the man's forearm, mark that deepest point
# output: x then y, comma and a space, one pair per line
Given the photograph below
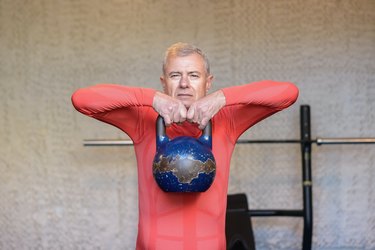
102, 98
272, 94
204, 109
172, 110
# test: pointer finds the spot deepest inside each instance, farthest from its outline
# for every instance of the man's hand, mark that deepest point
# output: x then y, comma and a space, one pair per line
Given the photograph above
172, 110
204, 109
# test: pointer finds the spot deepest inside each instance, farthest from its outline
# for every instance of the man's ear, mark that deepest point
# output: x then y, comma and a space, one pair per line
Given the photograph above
209, 82
163, 84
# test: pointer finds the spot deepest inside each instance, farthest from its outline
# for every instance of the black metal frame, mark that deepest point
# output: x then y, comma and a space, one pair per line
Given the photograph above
307, 211
306, 143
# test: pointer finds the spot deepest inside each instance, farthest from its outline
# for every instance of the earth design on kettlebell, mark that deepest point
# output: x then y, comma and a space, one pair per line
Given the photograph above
184, 165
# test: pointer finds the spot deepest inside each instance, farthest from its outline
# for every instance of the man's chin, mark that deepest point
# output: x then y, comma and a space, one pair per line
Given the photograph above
187, 103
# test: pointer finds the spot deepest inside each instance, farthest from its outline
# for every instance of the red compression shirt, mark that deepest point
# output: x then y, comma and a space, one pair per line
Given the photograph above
185, 221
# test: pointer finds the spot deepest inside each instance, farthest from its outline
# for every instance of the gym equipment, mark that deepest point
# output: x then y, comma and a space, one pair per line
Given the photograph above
318, 141
184, 164
238, 229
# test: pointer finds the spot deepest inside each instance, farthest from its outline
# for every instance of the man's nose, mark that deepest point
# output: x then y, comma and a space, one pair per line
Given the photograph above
184, 82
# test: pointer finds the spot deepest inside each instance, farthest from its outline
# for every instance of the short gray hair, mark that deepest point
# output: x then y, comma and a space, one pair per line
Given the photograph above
185, 49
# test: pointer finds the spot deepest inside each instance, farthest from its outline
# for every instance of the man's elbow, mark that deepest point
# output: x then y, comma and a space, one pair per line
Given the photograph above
294, 92
290, 94
80, 99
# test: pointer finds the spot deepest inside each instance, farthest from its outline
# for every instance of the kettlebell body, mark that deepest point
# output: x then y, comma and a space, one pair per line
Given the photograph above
184, 164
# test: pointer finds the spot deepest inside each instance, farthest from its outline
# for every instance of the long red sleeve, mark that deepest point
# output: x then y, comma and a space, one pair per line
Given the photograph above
250, 103
108, 97
117, 105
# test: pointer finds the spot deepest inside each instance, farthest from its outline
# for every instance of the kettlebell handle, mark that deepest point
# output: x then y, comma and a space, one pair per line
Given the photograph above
161, 136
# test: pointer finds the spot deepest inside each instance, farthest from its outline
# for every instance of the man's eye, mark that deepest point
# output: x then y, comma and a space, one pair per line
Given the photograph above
194, 76
174, 75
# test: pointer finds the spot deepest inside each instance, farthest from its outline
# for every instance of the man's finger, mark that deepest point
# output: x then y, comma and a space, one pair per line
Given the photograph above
203, 123
196, 116
167, 120
190, 114
176, 116
183, 113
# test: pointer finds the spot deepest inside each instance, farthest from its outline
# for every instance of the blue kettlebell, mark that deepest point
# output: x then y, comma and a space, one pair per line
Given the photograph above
184, 164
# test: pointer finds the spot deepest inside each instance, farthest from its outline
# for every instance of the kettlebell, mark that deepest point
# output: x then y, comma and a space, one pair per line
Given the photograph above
184, 164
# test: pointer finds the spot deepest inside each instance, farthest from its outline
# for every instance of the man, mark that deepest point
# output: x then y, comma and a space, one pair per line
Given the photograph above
189, 220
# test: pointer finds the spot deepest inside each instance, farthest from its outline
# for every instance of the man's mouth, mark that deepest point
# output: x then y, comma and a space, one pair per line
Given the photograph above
184, 95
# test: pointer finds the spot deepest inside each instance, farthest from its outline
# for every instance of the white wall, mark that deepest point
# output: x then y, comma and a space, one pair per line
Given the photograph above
57, 194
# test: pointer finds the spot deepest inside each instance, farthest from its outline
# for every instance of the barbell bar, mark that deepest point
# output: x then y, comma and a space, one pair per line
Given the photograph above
319, 141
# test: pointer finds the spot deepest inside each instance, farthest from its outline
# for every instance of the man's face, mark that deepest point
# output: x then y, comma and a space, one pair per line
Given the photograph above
185, 78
